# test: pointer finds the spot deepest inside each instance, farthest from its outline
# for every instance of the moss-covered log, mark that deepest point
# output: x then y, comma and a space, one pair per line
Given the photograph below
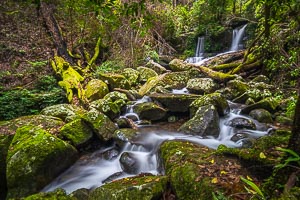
227, 66
246, 67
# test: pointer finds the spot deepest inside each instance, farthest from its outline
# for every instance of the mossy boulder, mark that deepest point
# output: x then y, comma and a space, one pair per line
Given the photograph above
174, 102
142, 188
204, 123
65, 112
77, 132
114, 80
131, 75
156, 67
270, 104
216, 99
254, 94
195, 171
100, 123
96, 89
58, 194
49, 123
35, 158
149, 111
124, 135
111, 104
145, 74
201, 85
237, 87
283, 120
261, 115
178, 65
5, 141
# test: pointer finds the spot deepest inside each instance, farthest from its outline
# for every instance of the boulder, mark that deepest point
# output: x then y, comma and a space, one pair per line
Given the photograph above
215, 99
124, 135
237, 87
77, 132
140, 187
129, 163
111, 104
178, 65
149, 111
201, 85
261, 115
65, 112
145, 74
240, 122
100, 123
174, 102
34, 159
204, 123
96, 89
131, 75
114, 80
270, 104
156, 67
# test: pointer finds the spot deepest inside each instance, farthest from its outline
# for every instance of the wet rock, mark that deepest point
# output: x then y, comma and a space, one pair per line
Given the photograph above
114, 80
149, 111
201, 85
100, 123
215, 99
126, 122
35, 157
124, 135
131, 75
145, 74
113, 177
77, 132
156, 67
204, 123
111, 104
142, 188
174, 102
129, 163
261, 115
96, 89
240, 122
65, 112
270, 104
237, 87
178, 65
110, 154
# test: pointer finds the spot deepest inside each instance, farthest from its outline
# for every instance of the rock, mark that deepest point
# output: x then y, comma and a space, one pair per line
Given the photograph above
125, 122
204, 123
140, 187
261, 115
253, 94
156, 67
77, 132
149, 111
96, 89
124, 135
114, 80
145, 74
100, 123
111, 104
240, 122
129, 163
215, 99
284, 120
35, 158
49, 123
270, 104
174, 102
57, 194
66, 112
178, 65
5, 141
110, 154
261, 78
131, 75
201, 85
237, 87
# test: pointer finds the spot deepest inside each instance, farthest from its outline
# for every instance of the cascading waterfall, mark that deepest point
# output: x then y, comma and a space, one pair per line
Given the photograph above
104, 165
237, 35
200, 47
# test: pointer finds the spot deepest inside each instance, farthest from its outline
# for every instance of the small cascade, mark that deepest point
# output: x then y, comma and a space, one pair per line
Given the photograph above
200, 47
237, 36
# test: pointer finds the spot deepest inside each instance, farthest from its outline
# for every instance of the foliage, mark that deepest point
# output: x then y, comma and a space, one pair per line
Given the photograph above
292, 159
254, 188
109, 66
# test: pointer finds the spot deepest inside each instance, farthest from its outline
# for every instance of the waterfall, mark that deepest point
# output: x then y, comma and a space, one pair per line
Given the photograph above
200, 47
237, 36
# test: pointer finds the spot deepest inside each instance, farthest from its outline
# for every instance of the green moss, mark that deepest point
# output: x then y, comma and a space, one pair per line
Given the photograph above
131, 75
58, 194
149, 111
146, 73
142, 188
96, 89
35, 157
114, 80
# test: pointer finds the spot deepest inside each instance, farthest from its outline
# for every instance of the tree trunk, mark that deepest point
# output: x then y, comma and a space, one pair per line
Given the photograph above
267, 14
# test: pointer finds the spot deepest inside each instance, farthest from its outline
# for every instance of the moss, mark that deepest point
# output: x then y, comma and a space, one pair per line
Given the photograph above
142, 188
96, 89
146, 73
131, 75
149, 111
58, 194
114, 80
124, 135
35, 157
270, 104
237, 87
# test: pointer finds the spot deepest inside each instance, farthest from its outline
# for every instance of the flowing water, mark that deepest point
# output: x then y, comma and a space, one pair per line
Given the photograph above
237, 36
93, 170
199, 55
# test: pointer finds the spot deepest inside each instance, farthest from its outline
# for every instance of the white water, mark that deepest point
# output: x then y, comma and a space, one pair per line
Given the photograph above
95, 169
237, 36
199, 55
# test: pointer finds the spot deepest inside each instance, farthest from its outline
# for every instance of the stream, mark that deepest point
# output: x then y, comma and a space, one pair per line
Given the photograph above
94, 169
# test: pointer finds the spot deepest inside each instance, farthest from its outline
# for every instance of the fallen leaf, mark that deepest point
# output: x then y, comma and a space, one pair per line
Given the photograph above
214, 180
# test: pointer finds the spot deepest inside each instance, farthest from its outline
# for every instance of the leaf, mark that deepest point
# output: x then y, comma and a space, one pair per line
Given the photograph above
223, 172
214, 180
212, 161
253, 186
262, 155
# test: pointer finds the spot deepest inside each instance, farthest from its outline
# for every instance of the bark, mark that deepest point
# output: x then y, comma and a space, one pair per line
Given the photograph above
46, 11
